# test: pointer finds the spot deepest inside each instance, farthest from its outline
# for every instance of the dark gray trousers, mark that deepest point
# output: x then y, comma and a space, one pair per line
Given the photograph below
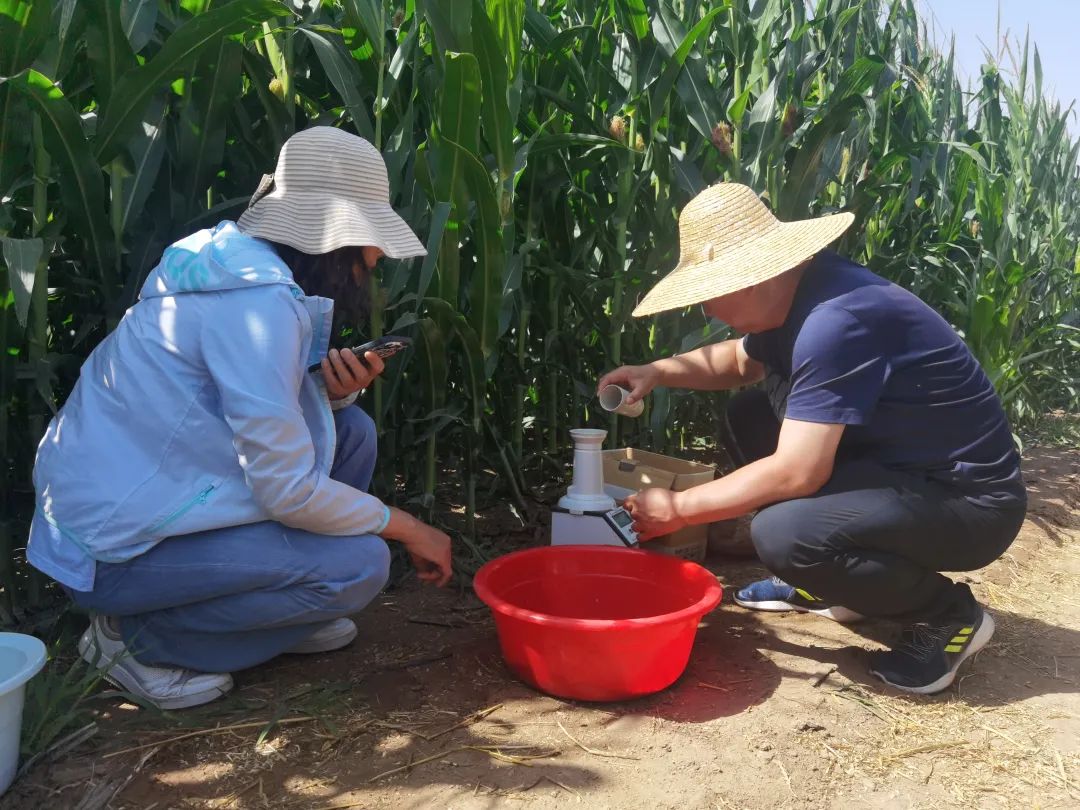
872, 539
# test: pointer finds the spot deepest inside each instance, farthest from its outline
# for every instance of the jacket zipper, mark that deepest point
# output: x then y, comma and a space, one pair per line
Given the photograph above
201, 498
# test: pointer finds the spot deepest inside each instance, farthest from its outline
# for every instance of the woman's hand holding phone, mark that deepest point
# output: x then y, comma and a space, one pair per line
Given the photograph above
345, 374
351, 370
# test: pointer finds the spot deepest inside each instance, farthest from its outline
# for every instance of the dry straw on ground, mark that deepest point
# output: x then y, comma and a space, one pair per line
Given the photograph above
988, 750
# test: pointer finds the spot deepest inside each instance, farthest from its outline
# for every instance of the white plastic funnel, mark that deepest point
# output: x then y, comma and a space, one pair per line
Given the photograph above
586, 491
21, 658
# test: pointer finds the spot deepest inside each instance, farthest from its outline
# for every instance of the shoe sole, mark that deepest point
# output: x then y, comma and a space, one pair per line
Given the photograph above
326, 645
981, 639
114, 673
837, 614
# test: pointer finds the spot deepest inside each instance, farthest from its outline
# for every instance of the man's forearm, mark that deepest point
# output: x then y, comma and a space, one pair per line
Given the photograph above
710, 368
766, 481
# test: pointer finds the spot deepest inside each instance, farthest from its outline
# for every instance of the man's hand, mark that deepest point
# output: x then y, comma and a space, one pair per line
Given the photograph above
345, 374
638, 380
655, 512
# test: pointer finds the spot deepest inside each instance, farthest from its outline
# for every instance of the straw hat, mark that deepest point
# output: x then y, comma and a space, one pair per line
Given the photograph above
729, 240
329, 190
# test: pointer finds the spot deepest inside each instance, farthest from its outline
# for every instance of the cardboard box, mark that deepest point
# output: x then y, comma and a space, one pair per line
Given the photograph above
731, 538
627, 471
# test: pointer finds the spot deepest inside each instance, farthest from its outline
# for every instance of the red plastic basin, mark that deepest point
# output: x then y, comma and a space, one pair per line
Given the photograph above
594, 622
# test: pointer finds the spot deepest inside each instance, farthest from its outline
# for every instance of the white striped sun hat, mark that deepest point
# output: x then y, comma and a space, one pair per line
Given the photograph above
728, 241
329, 190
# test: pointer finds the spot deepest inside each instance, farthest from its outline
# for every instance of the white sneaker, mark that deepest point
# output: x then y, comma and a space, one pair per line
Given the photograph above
331, 636
164, 687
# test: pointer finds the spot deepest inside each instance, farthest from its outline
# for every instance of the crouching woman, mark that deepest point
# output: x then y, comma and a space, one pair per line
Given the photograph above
202, 491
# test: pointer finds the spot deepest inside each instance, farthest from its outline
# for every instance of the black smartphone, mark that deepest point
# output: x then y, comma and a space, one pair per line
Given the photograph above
386, 346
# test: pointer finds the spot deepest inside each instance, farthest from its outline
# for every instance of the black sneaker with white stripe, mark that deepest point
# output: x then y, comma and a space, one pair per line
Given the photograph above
930, 653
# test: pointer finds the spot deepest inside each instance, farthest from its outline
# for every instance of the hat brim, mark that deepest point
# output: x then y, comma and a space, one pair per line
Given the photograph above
317, 223
773, 253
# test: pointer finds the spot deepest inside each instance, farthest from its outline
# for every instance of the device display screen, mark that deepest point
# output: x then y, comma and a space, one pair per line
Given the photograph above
622, 518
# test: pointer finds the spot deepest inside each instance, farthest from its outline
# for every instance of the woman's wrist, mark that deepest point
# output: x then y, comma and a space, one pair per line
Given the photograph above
402, 526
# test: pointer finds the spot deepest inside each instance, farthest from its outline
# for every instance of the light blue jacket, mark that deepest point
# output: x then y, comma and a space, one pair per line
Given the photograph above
196, 413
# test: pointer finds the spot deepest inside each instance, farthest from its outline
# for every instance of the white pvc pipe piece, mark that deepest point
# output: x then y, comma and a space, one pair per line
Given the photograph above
21, 658
613, 400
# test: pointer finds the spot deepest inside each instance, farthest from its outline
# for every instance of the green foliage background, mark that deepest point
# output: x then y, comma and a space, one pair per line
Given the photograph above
543, 148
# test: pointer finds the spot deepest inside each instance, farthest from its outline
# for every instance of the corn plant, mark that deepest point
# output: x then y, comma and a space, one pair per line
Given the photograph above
542, 149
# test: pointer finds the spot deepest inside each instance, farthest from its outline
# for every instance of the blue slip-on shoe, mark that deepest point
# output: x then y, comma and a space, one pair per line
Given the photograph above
775, 595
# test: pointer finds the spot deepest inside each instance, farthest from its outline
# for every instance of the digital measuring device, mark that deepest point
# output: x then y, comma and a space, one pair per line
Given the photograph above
619, 519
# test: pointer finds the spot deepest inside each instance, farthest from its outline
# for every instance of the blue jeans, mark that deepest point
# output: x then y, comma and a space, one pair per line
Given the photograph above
226, 599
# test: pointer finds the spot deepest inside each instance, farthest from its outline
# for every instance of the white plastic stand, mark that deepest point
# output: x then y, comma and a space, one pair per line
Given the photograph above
586, 491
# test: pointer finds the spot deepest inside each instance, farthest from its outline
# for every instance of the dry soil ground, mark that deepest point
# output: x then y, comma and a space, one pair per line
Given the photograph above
774, 711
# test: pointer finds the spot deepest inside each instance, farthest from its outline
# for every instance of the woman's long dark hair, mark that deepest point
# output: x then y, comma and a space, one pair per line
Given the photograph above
330, 275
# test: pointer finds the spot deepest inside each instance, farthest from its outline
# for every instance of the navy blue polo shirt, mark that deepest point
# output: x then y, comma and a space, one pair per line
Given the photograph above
860, 351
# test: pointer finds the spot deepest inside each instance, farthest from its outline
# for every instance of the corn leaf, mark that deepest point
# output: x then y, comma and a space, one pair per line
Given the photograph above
180, 51
511, 285
859, 78
563, 140
486, 287
107, 47
432, 357
677, 46
688, 71
402, 57
216, 85
147, 148
66, 11
24, 29
14, 136
764, 107
560, 46
138, 18
804, 179
21, 257
507, 19
473, 356
62, 51
497, 122
344, 74
970, 152
439, 216
634, 16
451, 21
459, 120
432, 360
83, 189
370, 17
